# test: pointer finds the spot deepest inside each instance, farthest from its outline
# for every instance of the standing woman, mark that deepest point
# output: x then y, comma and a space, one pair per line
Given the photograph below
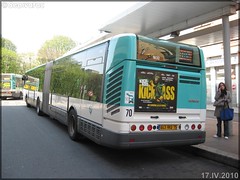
222, 96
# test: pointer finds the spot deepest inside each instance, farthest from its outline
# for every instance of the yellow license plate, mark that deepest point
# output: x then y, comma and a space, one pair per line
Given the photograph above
168, 127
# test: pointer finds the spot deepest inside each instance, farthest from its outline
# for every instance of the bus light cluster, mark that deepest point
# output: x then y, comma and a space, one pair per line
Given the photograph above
142, 127
150, 127
193, 127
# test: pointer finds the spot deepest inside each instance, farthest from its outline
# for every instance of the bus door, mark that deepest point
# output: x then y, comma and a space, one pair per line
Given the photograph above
31, 86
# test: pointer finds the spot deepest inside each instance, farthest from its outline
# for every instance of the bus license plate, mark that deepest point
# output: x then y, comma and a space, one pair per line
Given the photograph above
168, 127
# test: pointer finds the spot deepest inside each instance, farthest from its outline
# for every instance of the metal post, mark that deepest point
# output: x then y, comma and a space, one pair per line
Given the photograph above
237, 82
227, 59
213, 77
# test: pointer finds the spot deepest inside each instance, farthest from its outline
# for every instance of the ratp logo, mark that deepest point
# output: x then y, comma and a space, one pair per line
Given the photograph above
129, 97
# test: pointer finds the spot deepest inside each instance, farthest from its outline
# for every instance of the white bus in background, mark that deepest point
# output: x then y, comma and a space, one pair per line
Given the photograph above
11, 86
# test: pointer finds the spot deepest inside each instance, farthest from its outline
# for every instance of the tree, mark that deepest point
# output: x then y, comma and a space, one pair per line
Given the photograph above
9, 58
55, 48
28, 61
8, 45
10, 61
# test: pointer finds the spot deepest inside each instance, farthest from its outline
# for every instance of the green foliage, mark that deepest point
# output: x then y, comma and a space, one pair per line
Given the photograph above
8, 45
70, 79
10, 61
54, 48
9, 58
28, 61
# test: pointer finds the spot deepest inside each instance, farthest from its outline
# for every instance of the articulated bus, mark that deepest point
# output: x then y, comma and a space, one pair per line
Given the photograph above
11, 86
128, 91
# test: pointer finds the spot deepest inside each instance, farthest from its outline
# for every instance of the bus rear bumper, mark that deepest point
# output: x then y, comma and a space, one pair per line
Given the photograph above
154, 139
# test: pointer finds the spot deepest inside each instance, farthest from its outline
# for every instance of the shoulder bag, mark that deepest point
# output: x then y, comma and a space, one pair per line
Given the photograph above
227, 113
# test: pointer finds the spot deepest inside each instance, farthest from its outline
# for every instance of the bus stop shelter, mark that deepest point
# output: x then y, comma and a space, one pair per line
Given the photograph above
158, 19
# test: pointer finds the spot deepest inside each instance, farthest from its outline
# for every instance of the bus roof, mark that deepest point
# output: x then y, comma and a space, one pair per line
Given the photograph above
10, 74
36, 67
98, 40
94, 42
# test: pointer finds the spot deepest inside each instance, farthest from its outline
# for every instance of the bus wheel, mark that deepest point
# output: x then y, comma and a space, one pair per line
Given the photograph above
39, 112
28, 105
72, 124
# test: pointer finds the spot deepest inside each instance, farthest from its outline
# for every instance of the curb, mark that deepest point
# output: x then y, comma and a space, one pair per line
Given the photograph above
215, 154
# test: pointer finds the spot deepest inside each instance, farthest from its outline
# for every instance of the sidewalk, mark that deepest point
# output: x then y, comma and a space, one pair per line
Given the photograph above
220, 149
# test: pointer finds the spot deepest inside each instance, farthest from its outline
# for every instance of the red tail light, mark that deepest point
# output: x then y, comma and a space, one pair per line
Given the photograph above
199, 126
141, 127
133, 127
131, 140
149, 127
193, 126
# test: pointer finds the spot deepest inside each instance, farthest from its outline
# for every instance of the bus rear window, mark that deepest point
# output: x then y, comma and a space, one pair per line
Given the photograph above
157, 50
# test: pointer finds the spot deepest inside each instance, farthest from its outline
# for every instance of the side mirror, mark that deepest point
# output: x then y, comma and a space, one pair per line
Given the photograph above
24, 78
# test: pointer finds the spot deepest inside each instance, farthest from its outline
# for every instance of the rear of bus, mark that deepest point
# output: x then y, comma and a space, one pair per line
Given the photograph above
11, 86
154, 94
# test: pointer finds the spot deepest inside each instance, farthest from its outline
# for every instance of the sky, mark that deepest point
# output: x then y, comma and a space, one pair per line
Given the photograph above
29, 24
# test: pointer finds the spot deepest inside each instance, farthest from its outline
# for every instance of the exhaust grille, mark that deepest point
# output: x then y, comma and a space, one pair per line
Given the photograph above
90, 129
113, 91
189, 80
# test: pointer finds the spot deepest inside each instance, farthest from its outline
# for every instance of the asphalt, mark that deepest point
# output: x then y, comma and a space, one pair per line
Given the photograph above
220, 149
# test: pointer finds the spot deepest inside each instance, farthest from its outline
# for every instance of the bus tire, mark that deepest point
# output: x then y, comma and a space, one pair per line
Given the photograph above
21, 95
28, 105
72, 124
39, 112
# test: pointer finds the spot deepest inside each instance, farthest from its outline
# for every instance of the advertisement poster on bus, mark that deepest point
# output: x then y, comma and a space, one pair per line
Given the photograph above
156, 91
